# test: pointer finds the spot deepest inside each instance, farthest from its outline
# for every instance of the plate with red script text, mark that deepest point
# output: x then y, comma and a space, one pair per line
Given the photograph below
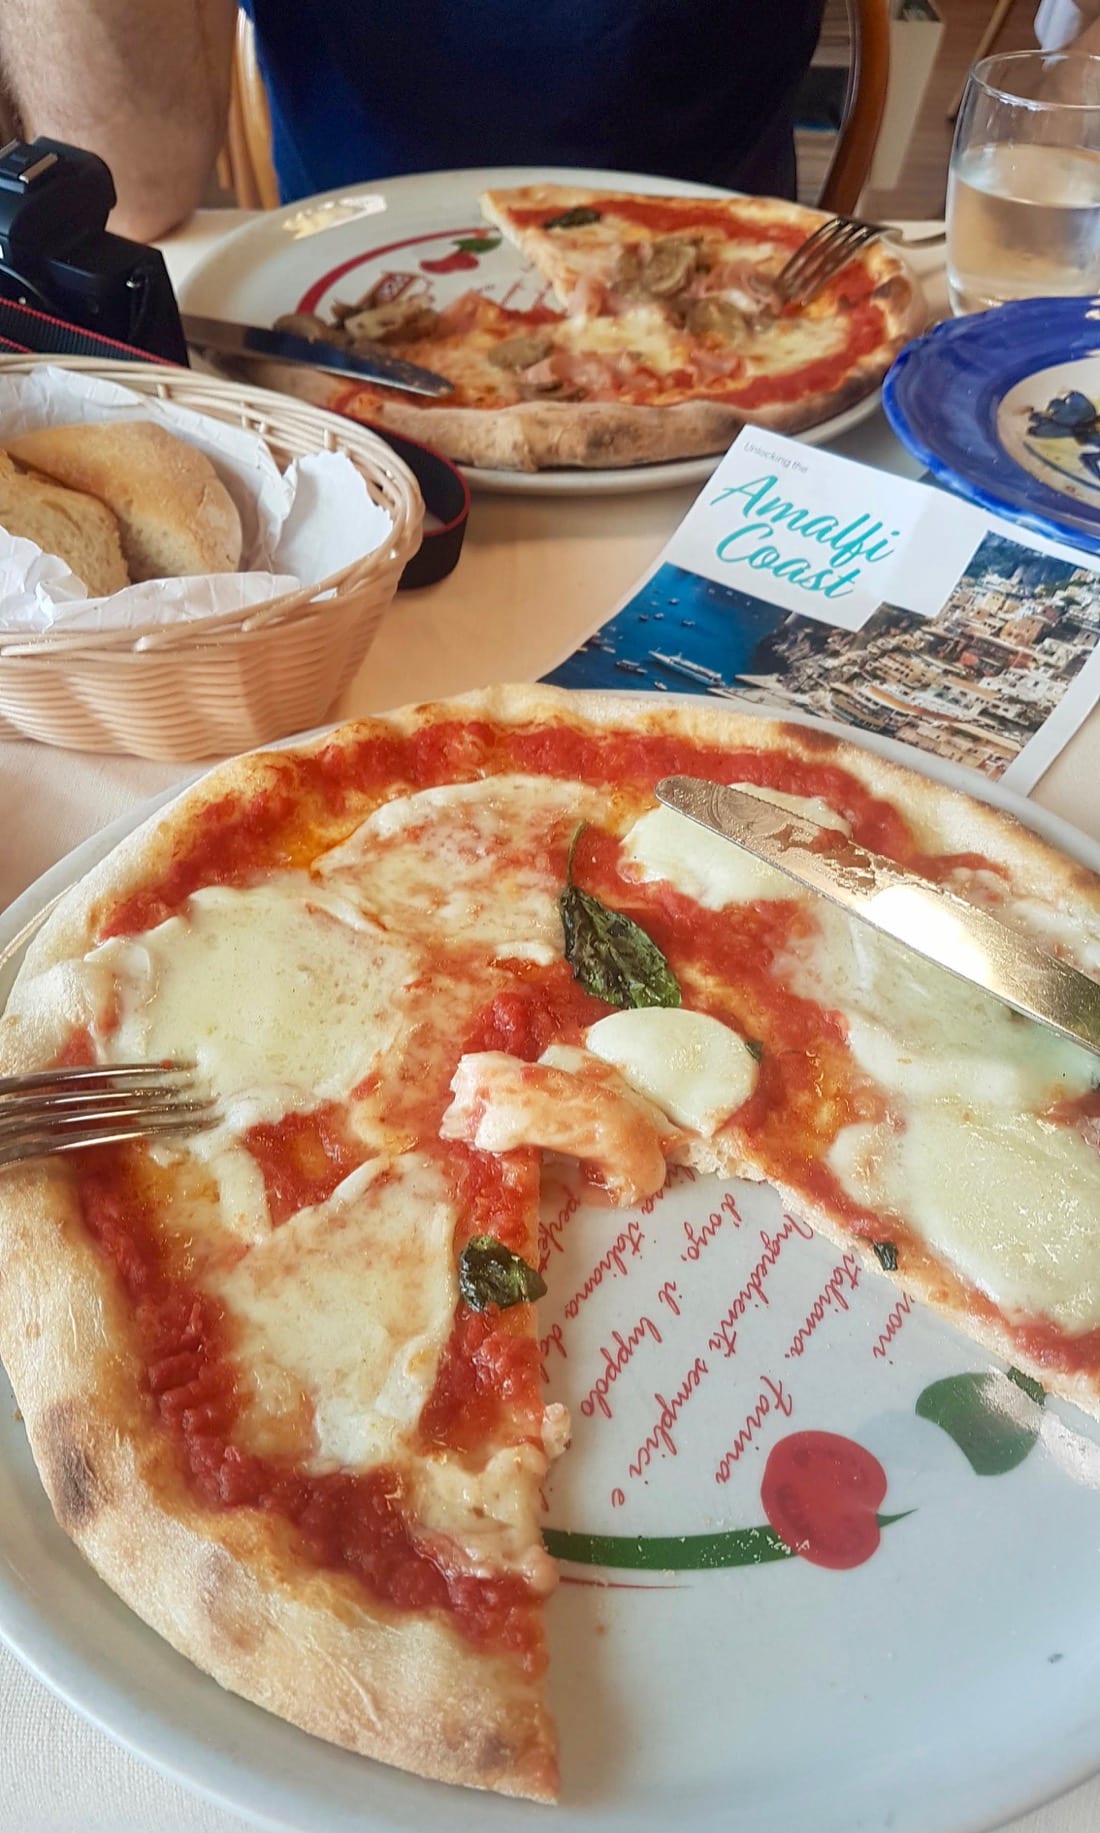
423, 238
927, 1661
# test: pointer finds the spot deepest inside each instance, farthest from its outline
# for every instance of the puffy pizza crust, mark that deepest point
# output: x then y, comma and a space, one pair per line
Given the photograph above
534, 436
529, 435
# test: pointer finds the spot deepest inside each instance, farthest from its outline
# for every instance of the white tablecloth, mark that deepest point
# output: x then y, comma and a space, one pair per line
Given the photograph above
534, 576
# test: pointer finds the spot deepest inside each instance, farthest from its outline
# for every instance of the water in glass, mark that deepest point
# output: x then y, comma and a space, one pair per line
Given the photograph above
1025, 224
1023, 195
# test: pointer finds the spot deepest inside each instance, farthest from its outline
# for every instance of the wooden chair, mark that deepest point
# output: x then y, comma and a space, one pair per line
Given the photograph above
246, 166
864, 104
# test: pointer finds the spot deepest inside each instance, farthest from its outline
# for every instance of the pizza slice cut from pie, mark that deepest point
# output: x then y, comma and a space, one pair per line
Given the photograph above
602, 251
706, 263
295, 1414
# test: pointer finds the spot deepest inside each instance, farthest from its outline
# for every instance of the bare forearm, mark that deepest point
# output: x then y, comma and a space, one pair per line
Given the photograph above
143, 83
1087, 41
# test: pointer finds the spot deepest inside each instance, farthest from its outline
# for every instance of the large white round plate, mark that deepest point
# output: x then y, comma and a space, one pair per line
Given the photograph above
946, 1681
427, 227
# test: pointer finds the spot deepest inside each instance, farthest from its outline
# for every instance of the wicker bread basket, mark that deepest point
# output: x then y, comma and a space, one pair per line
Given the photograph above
217, 684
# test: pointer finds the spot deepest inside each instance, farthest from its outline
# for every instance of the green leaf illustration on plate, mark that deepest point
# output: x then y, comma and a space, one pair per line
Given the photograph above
994, 1419
754, 1546
477, 244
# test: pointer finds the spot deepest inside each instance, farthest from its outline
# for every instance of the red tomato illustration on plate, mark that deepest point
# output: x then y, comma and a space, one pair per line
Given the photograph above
463, 256
821, 1494
450, 264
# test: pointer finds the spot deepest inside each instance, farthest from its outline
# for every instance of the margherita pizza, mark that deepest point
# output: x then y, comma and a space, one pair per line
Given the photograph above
670, 336
280, 1377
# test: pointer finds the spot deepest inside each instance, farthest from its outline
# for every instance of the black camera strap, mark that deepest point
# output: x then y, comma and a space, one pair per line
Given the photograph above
36, 333
25, 332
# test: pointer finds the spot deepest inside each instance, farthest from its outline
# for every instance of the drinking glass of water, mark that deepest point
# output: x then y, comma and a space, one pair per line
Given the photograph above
1023, 191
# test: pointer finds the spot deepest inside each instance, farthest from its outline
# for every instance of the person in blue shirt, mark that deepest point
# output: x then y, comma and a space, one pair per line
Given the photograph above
700, 90
693, 89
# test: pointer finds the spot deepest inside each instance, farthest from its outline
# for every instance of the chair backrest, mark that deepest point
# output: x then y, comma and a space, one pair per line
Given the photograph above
864, 104
247, 167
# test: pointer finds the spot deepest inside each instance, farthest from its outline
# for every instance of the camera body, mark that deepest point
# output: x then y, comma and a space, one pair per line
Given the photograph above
57, 257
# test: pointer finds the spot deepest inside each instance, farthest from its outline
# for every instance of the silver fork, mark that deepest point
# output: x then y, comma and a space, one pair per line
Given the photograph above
823, 254
58, 1110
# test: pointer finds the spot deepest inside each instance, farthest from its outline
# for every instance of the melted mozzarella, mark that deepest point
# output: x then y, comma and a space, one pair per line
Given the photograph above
663, 845
284, 996
598, 1072
1070, 930
712, 871
813, 808
692, 1066
469, 862
281, 994
576, 1105
488, 1516
643, 330
1010, 1201
242, 1193
348, 1304
923, 1033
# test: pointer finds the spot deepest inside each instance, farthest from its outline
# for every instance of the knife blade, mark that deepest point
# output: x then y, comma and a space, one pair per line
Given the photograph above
284, 347
970, 943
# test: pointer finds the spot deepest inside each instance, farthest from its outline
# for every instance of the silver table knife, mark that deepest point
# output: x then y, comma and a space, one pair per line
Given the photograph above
284, 347
968, 942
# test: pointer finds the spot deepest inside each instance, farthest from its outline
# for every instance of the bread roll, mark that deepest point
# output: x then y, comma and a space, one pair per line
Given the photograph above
174, 513
80, 530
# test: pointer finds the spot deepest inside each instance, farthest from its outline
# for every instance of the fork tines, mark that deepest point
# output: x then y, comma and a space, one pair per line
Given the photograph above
57, 1110
822, 255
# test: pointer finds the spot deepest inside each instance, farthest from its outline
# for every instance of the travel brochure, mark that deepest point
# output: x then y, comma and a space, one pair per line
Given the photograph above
810, 584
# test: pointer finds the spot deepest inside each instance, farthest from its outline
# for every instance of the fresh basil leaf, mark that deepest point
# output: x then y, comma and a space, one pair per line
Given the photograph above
1032, 1388
578, 218
754, 1047
611, 956
887, 1255
490, 1274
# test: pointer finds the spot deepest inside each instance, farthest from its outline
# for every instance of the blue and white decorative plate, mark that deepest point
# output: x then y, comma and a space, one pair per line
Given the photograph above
1004, 408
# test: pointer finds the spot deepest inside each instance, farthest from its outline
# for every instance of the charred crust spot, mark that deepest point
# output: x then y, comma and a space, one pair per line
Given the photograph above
68, 1468
493, 1755
231, 1615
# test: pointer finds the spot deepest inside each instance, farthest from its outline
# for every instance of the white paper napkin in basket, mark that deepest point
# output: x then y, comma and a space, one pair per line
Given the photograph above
298, 526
